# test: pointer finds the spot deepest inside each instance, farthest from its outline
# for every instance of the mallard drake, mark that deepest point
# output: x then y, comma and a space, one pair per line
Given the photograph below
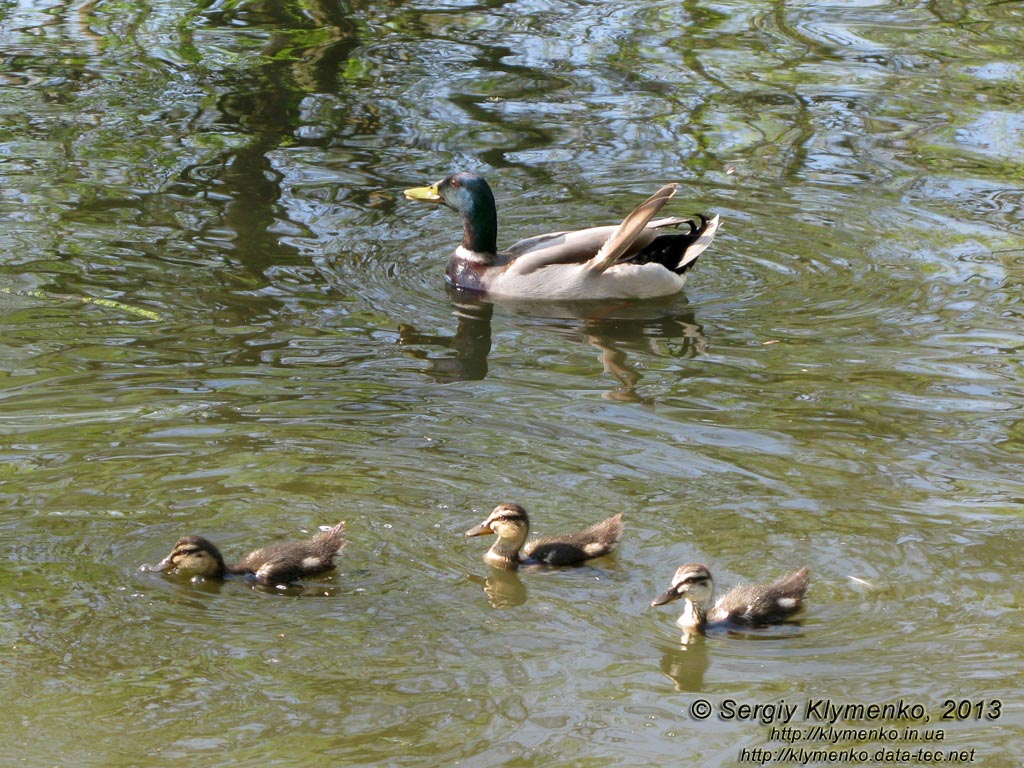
512, 525
750, 605
279, 563
637, 259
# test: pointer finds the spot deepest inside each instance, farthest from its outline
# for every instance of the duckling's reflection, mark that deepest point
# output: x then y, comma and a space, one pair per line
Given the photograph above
686, 664
612, 327
198, 584
504, 588
299, 590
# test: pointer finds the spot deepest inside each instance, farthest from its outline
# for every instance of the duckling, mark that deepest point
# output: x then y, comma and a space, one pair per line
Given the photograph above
637, 259
512, 525
750, 605
279, 563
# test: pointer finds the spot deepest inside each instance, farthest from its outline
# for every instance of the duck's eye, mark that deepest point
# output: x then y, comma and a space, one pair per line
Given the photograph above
456, 183
694, 580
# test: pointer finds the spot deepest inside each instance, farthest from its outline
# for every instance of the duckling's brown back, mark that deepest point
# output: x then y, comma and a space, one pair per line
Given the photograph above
763, 603
575, 548
288, 561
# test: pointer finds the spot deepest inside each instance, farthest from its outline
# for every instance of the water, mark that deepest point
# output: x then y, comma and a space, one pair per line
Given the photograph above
839, 386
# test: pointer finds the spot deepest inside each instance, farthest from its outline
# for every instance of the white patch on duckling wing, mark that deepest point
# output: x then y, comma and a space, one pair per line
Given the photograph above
265, 573
312, 563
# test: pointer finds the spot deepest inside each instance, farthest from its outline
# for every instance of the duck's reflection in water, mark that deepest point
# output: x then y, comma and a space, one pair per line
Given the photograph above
504, 588
198, 585
686, 664
471, 344
615, 338
656, 328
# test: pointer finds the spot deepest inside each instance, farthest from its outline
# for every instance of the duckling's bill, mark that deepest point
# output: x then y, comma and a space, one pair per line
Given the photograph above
164, 565
425, 194
667, 596
480, 530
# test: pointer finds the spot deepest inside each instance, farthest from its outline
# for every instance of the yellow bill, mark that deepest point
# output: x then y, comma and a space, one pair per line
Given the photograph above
425, 194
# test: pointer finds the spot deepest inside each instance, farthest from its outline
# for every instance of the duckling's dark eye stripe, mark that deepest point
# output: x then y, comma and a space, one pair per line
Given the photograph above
506, 517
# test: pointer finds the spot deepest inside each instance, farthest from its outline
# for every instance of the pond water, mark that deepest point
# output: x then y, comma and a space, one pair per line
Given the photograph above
218, 315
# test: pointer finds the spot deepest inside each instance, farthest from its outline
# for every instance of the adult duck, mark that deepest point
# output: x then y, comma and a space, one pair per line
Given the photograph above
640, 258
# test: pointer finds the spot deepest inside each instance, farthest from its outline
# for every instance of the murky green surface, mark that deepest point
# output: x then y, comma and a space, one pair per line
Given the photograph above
840, 386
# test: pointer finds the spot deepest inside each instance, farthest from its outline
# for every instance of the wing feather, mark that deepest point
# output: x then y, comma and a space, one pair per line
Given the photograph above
622, 239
